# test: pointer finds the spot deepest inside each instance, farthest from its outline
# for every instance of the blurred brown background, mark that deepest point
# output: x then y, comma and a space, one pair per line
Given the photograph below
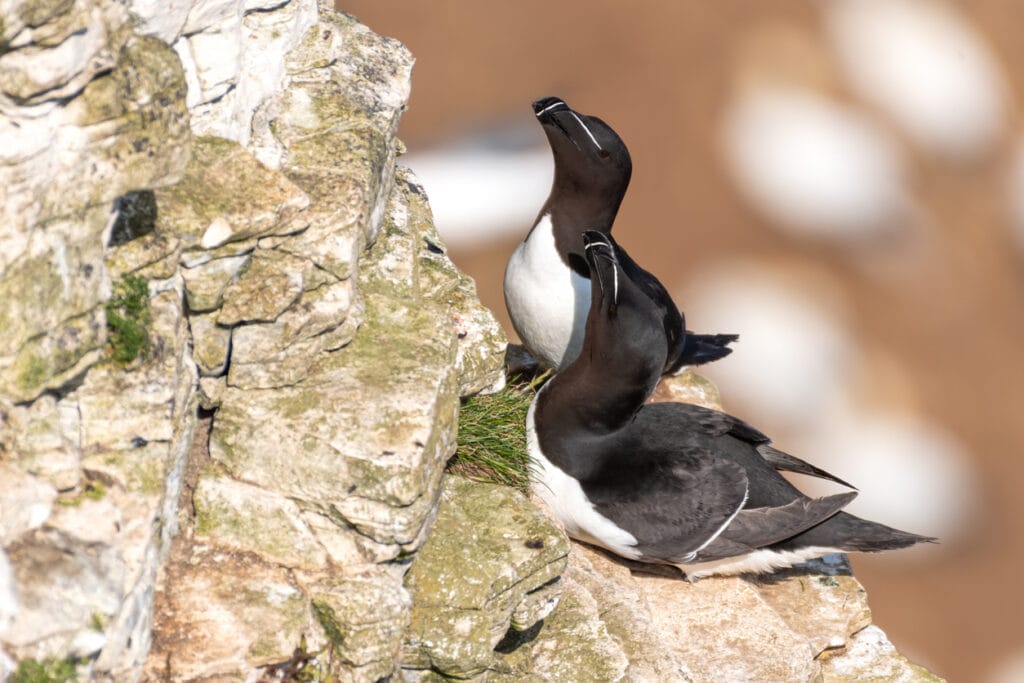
844, 186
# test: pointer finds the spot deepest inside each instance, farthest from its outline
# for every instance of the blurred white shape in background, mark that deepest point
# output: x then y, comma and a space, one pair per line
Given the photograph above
926, 67
486, 188
792, 362
792, 374
1009, 670
1016, 190
816, 168
910, 474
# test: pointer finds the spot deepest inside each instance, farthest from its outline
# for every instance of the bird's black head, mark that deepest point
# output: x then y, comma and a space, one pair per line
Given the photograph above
625, 333
591, 160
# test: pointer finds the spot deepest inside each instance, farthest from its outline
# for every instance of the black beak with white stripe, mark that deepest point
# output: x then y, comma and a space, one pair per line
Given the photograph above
671, 483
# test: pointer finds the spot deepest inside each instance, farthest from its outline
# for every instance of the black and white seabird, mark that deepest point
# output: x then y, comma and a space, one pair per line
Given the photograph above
547, 280
671, 483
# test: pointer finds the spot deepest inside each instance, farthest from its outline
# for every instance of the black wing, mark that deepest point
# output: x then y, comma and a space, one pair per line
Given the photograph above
760, 527
673, 506
717, 423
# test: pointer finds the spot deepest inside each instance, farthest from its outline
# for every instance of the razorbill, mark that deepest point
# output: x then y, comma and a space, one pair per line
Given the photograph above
671, 483
547, 281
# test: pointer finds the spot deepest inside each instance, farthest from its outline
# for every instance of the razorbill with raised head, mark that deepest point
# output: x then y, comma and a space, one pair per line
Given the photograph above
547, 281
671, 483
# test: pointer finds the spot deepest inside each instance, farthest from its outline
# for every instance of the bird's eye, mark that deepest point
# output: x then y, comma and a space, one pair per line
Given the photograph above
603, 154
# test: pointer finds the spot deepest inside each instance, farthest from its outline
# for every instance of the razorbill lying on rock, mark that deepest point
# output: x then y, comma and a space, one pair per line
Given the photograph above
671, 483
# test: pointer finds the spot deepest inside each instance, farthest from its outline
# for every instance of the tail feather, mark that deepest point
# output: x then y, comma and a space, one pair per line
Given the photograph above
849, 533
790, 463
698, 349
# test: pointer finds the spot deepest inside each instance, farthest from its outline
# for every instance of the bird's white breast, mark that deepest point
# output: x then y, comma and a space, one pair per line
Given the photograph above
546, 300
565, 498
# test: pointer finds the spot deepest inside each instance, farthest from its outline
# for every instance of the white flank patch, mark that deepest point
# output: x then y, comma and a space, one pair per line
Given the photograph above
566, 500
927, 68
757, 562
546, 300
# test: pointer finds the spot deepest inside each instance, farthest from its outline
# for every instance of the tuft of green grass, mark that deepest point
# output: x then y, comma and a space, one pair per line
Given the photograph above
492, 437
128, 316
46, 671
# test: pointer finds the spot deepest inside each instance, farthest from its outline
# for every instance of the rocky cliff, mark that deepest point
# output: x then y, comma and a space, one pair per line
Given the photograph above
230, 373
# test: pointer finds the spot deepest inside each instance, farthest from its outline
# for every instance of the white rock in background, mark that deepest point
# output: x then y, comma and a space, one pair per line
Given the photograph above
276, 33
924, 65
816, 168
213, 15
793, 359
163, 19
479, 194
911, 474
8, 600
247, 40
195, 91
217, 55
26, 502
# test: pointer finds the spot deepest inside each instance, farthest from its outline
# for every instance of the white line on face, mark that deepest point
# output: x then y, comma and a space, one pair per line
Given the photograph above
615, 270
615, 286
589, 134
552, 106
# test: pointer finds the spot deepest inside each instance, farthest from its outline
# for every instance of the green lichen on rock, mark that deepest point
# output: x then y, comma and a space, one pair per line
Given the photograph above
128, 319
245, 518
46, 671
489, 551
94, 490
363, 616
227, 195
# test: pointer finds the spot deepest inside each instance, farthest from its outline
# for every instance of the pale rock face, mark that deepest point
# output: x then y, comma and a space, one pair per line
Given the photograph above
59, 58
816, 168
250, 613
26, 502
205, 284
485, 570
217, 58
163, 19
927, 68
211, 344
111, 136
8, 598
246, 518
